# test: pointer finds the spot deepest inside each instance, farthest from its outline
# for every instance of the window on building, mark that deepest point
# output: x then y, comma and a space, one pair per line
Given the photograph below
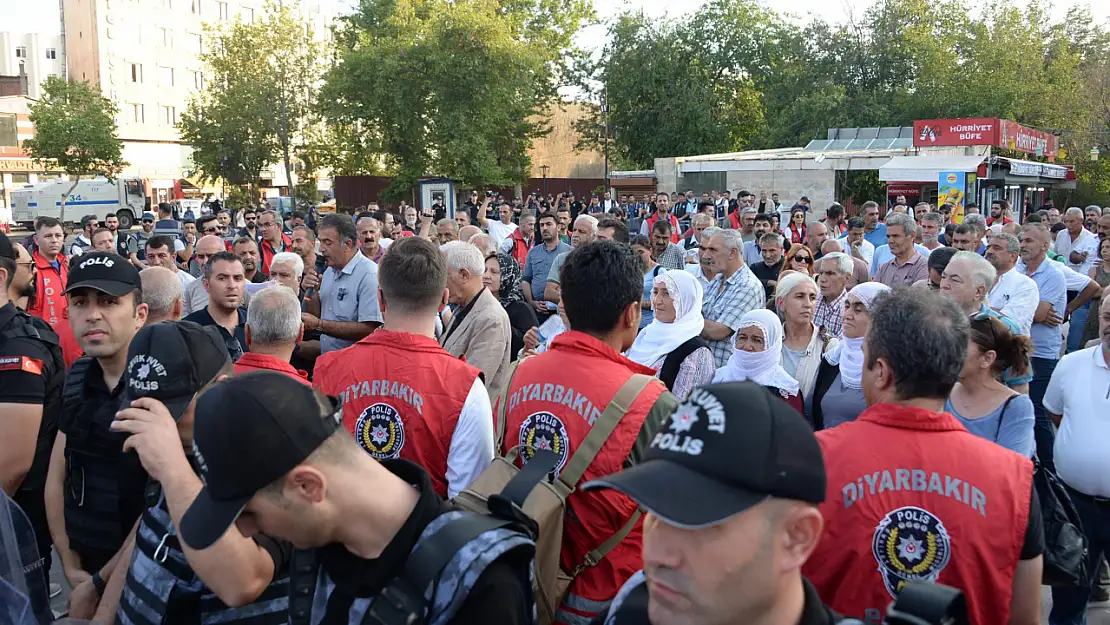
198, 80
21, 52
166, 37
9, 136
169, 115
165, 76
138, 114
195, 8
196, 44
167, 4
51, 54
137, 72
222, 6
248, 13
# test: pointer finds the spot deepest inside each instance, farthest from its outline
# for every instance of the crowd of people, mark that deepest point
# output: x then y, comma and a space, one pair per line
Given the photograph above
745, 420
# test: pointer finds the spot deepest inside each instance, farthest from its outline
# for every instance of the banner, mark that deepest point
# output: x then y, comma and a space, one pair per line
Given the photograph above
1014, 136
951, 132
952, 189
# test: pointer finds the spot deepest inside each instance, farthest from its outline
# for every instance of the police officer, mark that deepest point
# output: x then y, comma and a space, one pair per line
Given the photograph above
94, 490
167, 224
731, 485
908, 497
136, 243
434, 407
32, 371
168, 364
274, 454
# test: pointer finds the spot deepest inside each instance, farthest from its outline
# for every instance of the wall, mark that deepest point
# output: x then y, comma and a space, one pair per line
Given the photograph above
556, 149
819, 185
82, 40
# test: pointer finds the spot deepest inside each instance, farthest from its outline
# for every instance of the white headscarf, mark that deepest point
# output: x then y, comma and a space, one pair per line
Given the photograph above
659, 339
848, 353
760, 367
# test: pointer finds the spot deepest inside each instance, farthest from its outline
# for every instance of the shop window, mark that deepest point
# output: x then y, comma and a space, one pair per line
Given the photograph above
9, 136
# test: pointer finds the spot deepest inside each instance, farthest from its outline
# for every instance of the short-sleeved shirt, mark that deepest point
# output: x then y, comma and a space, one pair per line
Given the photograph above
537, 267
1080, 391
350, 294
877, 236
1085, 242
830, 315
895, 274
726, 301
1053, 289
236, 342
882, 255
1017, 297
673, 257
1010, 424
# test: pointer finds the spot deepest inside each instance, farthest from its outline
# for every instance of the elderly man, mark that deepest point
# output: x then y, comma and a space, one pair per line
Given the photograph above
967, 279
1013, 294
286, 269
769, 267
980, 224
479, 330
447, 230
931, 226
698, 224
344, 304
834, 272
369, 237
1078, 248
585, 232
733, 292
908, 265
860, 271
273, 331
103, 240
162, 294
468, 232
816, 235
1077, 402
1045, 331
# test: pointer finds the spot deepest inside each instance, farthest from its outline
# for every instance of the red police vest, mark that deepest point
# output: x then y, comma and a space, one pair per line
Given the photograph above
267, 252
554, 399
520, 247
674, 225
50, 305
402, 394
913, 496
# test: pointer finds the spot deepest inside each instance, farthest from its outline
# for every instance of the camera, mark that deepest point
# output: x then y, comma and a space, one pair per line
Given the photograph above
922, 603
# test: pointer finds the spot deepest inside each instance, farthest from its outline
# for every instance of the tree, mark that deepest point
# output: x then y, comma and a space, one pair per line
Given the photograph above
451, 88
260, 79
75, 131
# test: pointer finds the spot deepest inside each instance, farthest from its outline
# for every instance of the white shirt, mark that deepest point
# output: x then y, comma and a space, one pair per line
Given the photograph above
1087, 242
1016, 296
1073, 280
1080, 391
471, 449
695, 270
185, 278
499, 231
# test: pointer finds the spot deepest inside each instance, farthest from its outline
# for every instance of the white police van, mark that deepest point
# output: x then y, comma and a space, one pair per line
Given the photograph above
125, 197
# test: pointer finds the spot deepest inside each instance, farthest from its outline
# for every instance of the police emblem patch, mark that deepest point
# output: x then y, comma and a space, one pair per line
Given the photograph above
380, 431
544, 431
910, 544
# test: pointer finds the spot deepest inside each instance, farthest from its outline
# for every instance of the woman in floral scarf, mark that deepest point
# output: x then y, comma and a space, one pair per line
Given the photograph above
502, 278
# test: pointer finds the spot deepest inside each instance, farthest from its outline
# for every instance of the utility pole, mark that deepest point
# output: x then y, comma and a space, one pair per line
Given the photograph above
605, 117
285, 128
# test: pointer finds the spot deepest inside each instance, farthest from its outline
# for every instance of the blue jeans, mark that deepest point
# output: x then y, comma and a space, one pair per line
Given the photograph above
1076, 326
1069, 605
1043, 430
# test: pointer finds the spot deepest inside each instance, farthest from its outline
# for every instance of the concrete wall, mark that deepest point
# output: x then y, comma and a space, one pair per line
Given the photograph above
818, 185
556, 149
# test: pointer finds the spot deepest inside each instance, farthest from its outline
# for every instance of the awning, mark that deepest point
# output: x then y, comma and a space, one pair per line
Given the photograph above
925, 168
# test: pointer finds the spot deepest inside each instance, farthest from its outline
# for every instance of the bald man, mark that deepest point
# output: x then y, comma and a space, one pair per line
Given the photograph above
816, 235
196, 297
162, 294
466, 232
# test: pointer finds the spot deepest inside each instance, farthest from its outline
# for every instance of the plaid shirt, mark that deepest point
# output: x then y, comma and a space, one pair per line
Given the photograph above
672, 257
830, 315
726, 302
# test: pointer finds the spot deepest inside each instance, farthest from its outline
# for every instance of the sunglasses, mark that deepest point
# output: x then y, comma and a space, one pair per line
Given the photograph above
211, 230
982, 317
148, 221
802, 259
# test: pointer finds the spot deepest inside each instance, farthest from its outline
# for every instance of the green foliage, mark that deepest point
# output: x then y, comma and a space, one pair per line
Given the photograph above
450, 88
75, 131
257, 97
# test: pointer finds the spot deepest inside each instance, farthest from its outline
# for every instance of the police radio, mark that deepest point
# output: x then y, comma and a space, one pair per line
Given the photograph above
923, 603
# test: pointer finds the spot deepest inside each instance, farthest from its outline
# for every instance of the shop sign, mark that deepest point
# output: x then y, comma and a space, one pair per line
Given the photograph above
952, 189
894, 190
1014, 136
18, 165
1037, 170
952, 132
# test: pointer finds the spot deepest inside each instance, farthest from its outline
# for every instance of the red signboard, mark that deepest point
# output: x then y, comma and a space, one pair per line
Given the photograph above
947, 132
999, 133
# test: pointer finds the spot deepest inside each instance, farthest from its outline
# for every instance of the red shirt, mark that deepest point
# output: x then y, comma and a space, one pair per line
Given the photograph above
251, 361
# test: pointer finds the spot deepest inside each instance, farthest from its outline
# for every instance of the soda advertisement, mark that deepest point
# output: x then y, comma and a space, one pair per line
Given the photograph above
952, 189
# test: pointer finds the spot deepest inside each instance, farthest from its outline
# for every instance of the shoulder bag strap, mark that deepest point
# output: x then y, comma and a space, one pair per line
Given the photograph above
602, 428
503, 408
592, 558
1002, 416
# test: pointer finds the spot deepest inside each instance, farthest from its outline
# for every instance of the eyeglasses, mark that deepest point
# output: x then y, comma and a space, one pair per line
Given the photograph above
802, 259
267, 224
29, 263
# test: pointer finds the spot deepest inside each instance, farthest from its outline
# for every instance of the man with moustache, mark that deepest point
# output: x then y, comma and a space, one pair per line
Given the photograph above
225, 281
246, 250
32, 371
369, 236
94, 490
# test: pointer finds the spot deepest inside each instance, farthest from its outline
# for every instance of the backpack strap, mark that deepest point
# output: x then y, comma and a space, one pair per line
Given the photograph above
594, 557
503, 409
602, 428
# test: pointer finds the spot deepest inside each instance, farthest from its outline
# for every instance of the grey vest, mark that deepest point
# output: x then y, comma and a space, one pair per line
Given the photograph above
168, 227
158, 568
445, 596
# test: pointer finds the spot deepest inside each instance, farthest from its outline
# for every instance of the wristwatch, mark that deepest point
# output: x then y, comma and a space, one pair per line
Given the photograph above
98, 583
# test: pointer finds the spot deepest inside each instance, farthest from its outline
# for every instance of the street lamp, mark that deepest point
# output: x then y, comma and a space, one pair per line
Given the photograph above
544, 169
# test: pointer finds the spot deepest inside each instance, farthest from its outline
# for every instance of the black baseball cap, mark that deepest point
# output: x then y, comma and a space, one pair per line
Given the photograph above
147, 216
7, 249
103, 271
171, 361
250, 430
727, 448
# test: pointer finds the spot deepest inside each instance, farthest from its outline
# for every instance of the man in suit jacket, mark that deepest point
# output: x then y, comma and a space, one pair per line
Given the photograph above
479, 329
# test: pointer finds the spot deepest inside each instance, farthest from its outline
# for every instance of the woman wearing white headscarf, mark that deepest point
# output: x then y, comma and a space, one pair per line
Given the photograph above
758, 357
838, 394
670, 344
803, 343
